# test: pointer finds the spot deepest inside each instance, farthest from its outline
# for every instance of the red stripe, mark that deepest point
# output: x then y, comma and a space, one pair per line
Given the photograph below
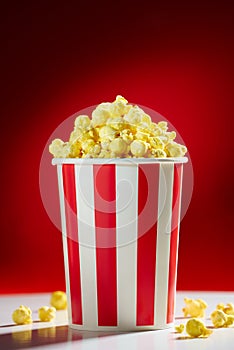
72, 242
105, 222
148, 178
174, 241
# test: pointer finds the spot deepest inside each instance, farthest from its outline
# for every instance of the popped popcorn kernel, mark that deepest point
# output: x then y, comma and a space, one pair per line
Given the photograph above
117, 123
194, 308
158, 153
134, 115
120, 107
230, 320
195, 328
156, 142
22, 315
220, 306
59, 300
127, 136
59, 149
163, 125
107, 133
46, 313
118, 146
75, 149
105, 145
104, 154
127, 128
101, 113
229, 309
175, 149
180, 328
83, 122
218, 318
138, 148
76, 135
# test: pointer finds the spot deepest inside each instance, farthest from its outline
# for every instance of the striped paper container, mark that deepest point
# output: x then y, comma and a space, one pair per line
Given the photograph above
120, 224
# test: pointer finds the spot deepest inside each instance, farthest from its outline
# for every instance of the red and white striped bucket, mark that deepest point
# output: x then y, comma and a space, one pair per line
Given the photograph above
120, 224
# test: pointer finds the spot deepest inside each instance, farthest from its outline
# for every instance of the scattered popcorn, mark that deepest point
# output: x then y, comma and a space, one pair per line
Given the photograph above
59, 300
220, 306
218, 318
22, 315
230, 320
118, 129
180, 328
194, 308
196, 328
46, 313
229, 309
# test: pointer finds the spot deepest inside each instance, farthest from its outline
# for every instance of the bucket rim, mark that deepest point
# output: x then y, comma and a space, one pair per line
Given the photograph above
118, 161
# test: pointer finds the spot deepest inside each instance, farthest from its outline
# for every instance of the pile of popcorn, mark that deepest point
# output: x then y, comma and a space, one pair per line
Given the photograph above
223, 316
23, 314
118, 130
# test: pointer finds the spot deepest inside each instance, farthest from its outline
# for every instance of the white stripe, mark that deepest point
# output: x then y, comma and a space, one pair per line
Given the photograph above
126, 241
64, 235
86, 234
179, 199
163, 242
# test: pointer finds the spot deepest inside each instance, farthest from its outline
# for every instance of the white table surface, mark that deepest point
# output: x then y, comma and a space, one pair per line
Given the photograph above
57, 335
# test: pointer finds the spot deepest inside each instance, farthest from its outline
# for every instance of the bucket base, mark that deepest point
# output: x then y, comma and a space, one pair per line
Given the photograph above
121, 328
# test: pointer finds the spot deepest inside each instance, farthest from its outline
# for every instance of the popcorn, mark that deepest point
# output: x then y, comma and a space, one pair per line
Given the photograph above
107, 133
163, 126
46, 313
228, 309
83, 122
196, 328
101, 113
194, 308
118, 146
220, 306
230, 320
180, 328
138, 148
134, 115
59, 149
120, 107
158, 153
117, 123
218, 318
118, 129
174, 149
104, 154
22, 315
59, 300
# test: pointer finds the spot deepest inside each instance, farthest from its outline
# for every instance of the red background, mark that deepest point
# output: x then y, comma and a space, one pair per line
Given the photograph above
57, 59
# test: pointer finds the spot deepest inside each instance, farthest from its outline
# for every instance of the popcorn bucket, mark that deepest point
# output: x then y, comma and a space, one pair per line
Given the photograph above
120, 224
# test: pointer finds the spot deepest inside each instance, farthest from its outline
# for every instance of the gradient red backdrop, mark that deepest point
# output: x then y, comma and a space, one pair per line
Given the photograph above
58, 59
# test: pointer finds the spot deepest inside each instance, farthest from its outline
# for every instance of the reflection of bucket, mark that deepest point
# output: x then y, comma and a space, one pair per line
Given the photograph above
120, 223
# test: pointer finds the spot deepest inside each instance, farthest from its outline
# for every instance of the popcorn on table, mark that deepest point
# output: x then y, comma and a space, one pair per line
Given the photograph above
196, 328
58, 300
22, 315
118, 130
194, 308
46, 313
